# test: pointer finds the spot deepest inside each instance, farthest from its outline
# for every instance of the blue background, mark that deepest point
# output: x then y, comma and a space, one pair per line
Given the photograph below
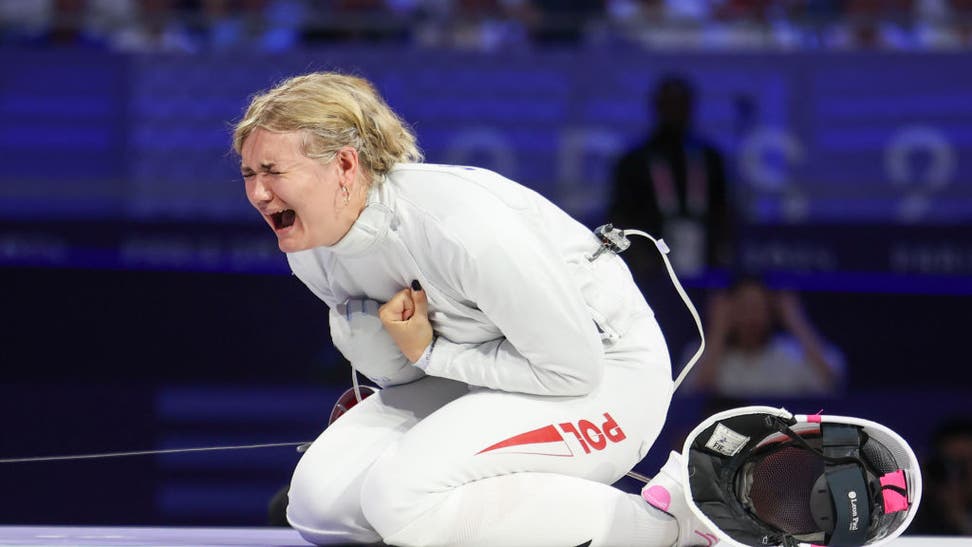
145, 306
847, 141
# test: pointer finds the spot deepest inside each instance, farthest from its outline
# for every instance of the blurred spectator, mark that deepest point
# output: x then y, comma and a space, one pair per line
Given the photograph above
659, 24
64, 24
564, 21
740, 24
21, 19
708, 24
491, 25
106, 17
801, 24
873, 24
263, 25
222, 26
155, 29
478, 25
946, 507
760, 343
24, 17
673, 185
360, 21
943, 24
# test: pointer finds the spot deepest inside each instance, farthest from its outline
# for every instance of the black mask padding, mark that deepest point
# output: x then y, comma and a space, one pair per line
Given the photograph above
881, 461
721, 506
712, 477
878, 456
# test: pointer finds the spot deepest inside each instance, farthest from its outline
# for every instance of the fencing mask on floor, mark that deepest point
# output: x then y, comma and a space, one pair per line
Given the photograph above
760, 476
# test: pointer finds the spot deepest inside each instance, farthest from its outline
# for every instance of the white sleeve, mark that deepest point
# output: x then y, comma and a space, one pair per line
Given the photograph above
550, 344
356, 330
358, 333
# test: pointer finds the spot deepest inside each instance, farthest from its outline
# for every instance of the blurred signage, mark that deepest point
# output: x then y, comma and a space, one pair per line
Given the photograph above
135, 146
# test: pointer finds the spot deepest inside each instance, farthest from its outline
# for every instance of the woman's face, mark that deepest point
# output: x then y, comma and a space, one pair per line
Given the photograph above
752, 319
306, 203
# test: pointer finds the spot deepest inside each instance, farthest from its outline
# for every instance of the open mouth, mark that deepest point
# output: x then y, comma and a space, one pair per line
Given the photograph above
283, 219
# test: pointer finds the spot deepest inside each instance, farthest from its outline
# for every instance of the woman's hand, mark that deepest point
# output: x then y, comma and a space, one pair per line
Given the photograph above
406, 319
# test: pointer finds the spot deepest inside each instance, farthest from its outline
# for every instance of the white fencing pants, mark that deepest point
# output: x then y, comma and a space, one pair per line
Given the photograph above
436, 462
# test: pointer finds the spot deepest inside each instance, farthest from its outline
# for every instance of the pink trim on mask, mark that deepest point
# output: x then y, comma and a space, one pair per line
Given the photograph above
894, 501
814, 418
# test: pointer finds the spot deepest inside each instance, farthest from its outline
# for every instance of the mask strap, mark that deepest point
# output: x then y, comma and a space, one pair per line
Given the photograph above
852, 508
844, 472
831, 457
848, 489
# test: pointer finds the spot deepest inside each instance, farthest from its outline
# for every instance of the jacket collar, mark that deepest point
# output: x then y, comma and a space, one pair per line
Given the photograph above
371, 226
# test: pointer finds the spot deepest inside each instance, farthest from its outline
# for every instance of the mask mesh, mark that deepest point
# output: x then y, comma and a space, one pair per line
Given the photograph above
781, 486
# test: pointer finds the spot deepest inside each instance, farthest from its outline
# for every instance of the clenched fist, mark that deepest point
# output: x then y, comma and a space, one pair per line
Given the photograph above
406, 318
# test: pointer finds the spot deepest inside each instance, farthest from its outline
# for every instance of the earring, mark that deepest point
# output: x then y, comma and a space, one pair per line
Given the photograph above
347, 195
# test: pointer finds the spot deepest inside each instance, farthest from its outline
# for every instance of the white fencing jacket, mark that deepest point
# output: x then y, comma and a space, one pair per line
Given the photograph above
514, 301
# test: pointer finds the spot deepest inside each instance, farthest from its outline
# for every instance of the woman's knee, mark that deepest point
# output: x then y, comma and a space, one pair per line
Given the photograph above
389, 499
307, 503
326, 499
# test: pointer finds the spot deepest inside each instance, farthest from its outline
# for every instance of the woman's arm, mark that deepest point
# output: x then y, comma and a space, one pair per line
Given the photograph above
550, 344
795, 321
356, 330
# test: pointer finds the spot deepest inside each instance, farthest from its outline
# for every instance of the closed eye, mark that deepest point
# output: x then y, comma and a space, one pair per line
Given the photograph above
249, 174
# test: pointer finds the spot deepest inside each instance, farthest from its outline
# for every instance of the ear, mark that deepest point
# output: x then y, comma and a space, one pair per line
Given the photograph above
347, 164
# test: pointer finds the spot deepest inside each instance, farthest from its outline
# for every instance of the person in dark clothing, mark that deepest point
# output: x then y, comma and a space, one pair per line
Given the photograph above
946, 505
674, 186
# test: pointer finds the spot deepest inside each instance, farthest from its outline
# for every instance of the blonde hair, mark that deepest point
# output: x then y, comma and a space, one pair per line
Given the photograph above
332, 111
